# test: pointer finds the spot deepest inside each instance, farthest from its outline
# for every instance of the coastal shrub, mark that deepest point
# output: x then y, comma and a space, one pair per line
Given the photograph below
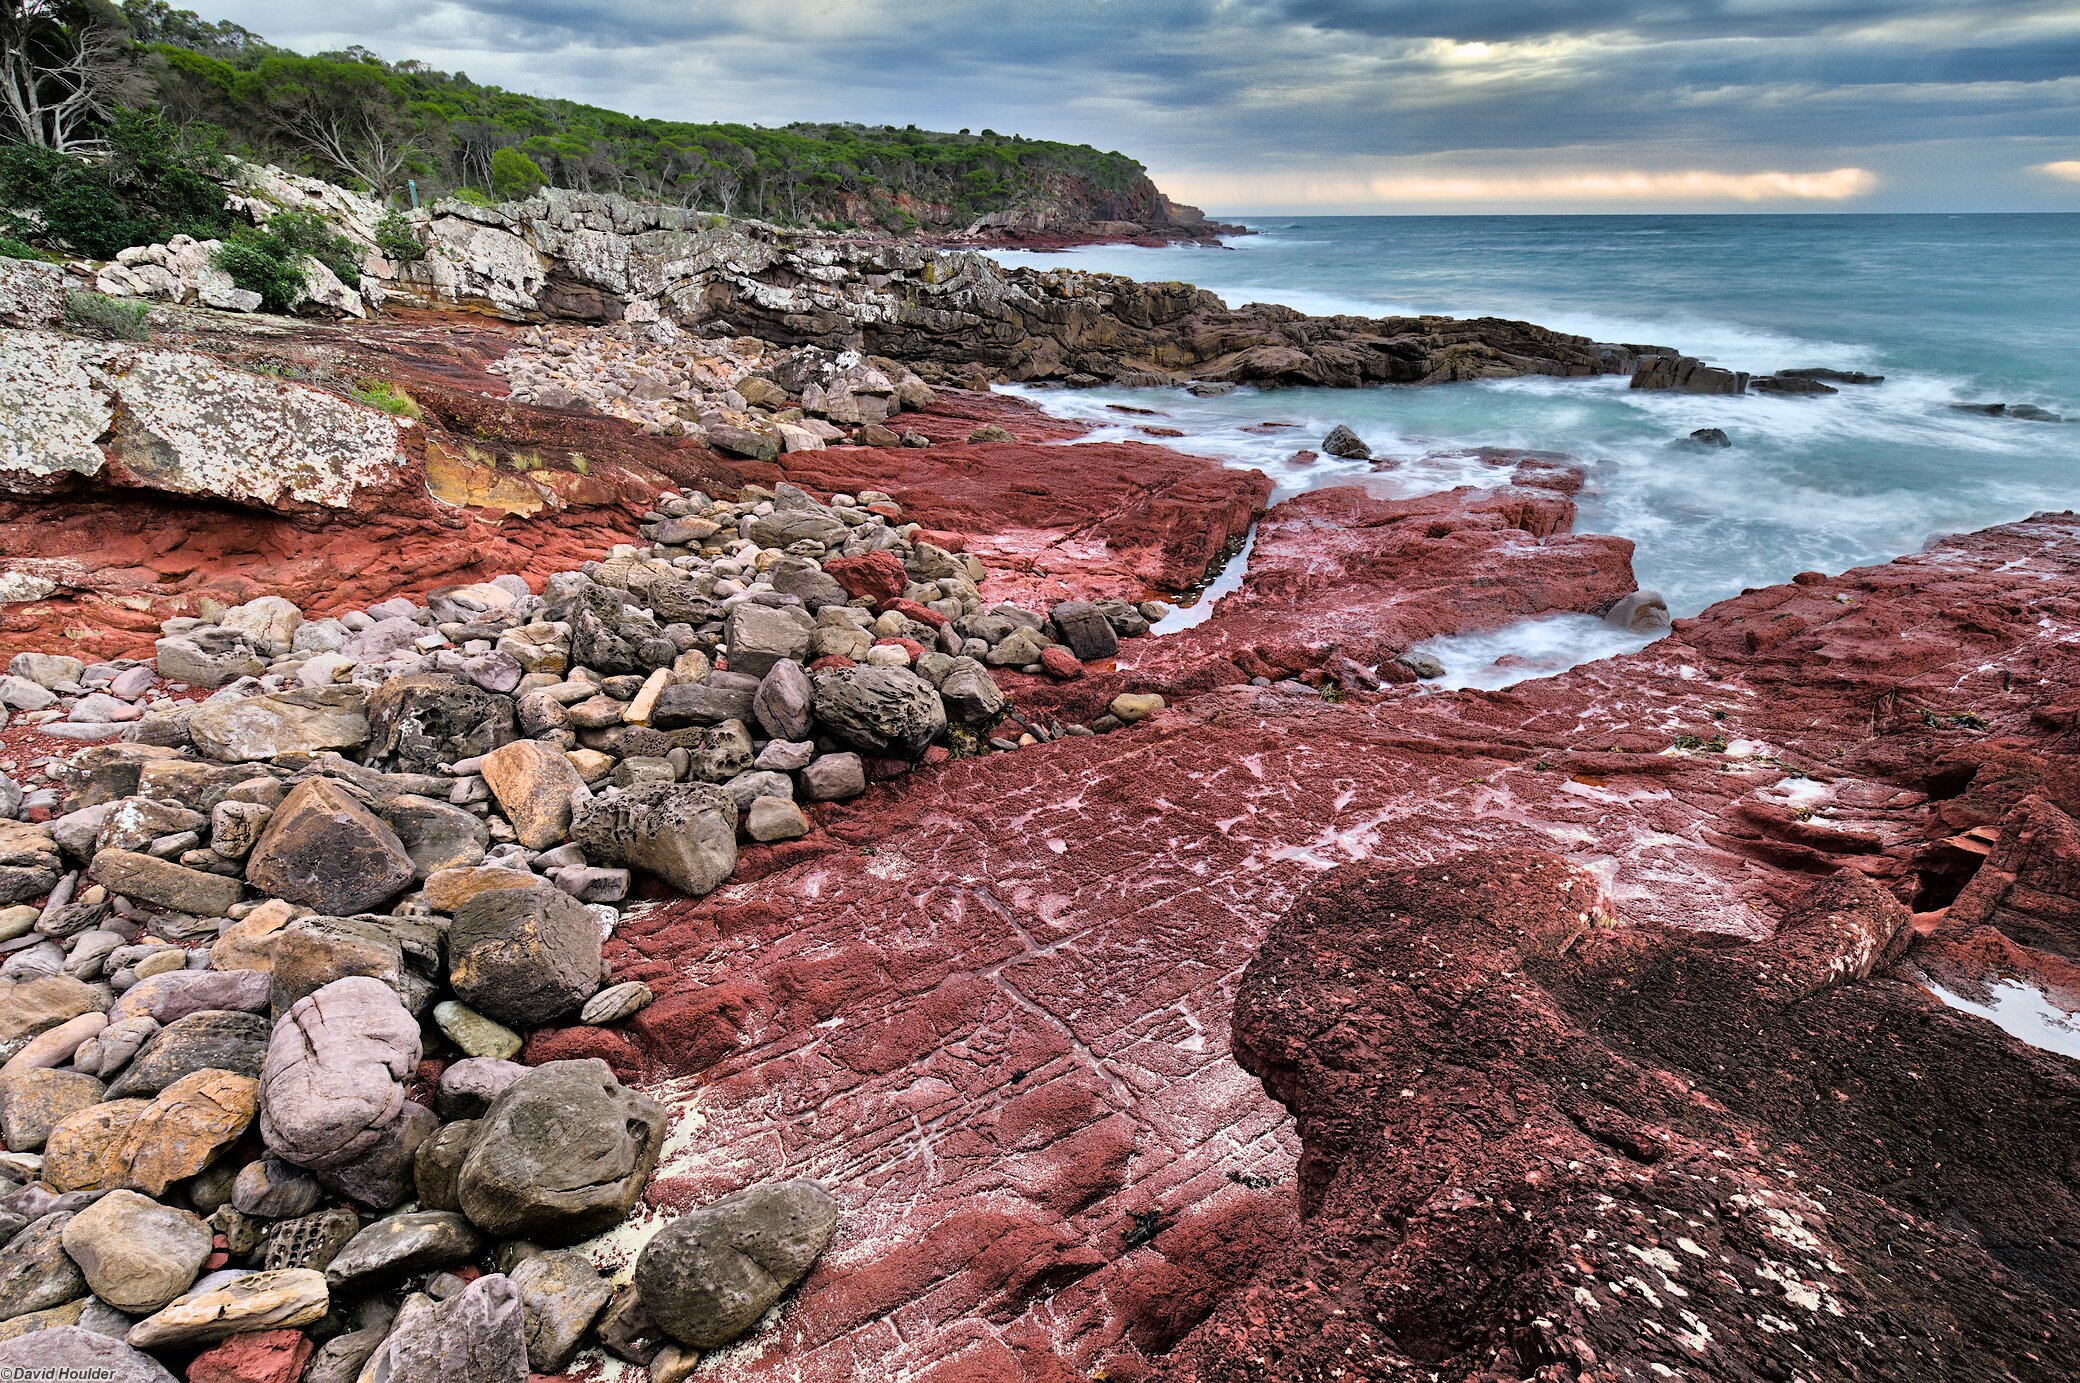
11, 248
381, 393
116, 319
270, 259
395, 238
154, 182
515, 176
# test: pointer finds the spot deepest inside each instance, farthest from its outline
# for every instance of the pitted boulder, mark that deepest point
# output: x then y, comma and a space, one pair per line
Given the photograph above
612, 637
685, 833
525, 956
880, 710
324, 849
333, 1081
561, 1155
420, 721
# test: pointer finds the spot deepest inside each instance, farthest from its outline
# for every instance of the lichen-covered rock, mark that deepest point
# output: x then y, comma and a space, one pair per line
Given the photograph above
182, 423
32, 293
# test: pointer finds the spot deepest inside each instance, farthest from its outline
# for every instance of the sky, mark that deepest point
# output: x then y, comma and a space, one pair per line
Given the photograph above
1341, 106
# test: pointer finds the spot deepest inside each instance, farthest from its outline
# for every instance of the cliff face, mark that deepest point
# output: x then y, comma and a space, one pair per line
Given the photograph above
596, 258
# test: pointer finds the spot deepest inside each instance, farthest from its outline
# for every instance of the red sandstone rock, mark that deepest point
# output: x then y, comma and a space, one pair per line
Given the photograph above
877, 576
1535, 1140
267, 1356
995, 1004
1060, 663
911, 609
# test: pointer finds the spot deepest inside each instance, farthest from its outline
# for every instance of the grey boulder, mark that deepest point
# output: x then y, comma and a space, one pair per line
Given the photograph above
561, 1154
709, 1275
478, 1335
524, 955
880, 710
333, 1081
70, 1351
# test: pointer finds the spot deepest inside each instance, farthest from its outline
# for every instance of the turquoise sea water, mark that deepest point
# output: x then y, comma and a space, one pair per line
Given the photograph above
1950, 309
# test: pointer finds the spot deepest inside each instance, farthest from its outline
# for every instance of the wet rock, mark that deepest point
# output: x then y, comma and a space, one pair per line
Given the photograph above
685, 833
1343, 442
477, 1336
35, 1271
71, 1352
304, 721
535, 785
397, 1246
524, 956
561, 1154
1641, 612
420, 721
259, 1301
333, 1081
1710, 437
884, 711
136, 1254
324, 849
1686, 375
165, 884
709, 1275
560, 1297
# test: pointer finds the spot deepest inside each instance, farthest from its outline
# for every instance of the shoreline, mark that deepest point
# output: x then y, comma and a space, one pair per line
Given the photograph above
984, 999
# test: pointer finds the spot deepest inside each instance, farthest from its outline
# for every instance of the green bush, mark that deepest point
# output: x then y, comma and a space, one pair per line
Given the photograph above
118, 319
11, 248
155, 182
381, 393
395, 238
515, 176
270, 260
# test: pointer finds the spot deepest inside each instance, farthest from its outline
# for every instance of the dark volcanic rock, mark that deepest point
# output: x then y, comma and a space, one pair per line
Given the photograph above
1625, 1150
526, 955
324, 849
710, 1274
419, 721
880, 710
561, 1154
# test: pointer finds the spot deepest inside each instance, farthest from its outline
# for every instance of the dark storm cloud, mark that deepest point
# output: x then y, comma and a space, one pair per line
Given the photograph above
1949, 102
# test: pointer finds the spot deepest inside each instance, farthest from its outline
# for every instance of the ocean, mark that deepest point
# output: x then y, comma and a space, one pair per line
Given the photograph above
1950, 309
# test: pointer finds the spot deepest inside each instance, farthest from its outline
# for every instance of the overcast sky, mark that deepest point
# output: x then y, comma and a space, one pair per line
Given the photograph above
1341, 105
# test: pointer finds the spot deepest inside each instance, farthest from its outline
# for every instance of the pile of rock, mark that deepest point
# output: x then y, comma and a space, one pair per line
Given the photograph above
237, 931
740, 396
